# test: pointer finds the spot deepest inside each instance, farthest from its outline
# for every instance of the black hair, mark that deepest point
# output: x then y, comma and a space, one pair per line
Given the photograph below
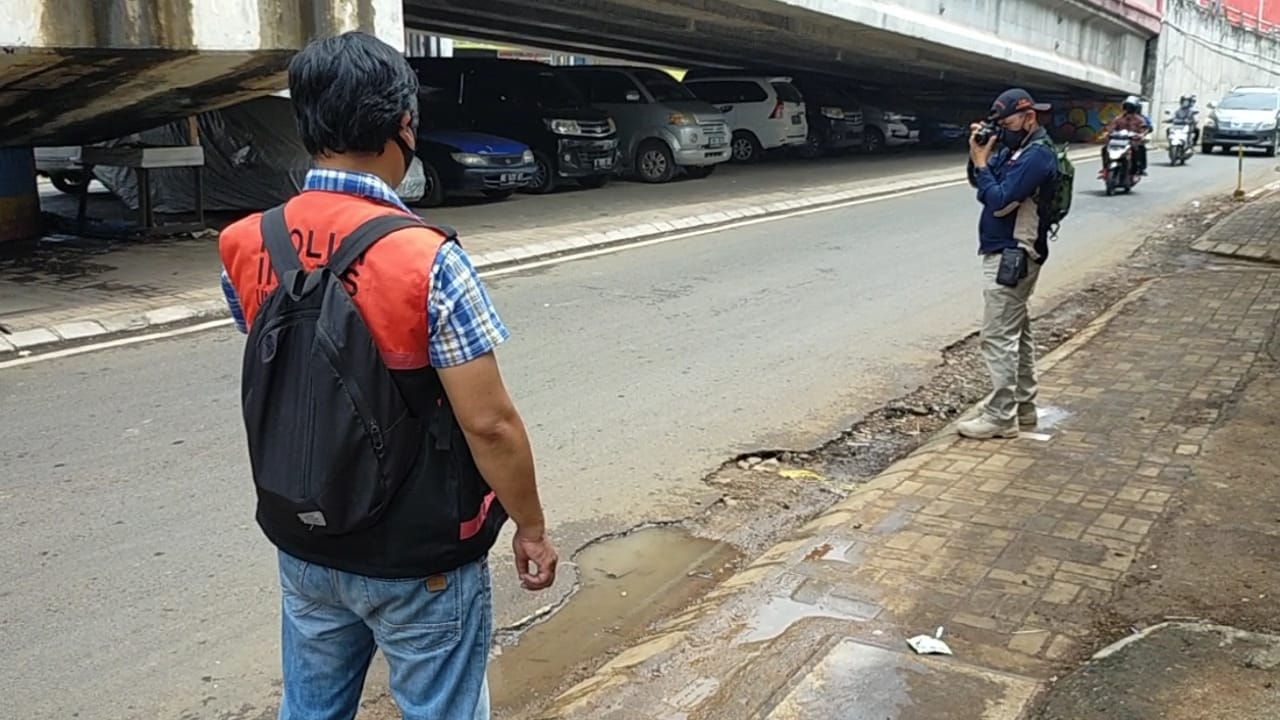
350, 93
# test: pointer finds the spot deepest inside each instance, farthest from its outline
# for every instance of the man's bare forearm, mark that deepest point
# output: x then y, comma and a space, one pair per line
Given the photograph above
505, 459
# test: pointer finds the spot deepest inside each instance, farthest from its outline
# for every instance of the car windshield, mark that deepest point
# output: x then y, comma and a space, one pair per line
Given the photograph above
662, 86
549, 89
1251, 101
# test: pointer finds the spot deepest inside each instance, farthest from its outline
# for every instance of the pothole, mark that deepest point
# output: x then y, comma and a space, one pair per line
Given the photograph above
626, 583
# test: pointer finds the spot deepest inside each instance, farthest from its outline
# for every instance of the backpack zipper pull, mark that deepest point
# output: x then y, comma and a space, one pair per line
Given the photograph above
375, 433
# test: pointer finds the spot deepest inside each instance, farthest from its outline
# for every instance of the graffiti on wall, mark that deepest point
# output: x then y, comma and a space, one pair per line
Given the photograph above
1081, 121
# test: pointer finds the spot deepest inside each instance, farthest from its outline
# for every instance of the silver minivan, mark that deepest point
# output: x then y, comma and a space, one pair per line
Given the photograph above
662, 126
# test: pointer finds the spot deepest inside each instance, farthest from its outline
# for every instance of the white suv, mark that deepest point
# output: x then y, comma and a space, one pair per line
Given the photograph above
763, 112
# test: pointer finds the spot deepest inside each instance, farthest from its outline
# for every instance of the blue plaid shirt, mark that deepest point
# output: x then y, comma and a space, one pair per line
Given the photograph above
462, 321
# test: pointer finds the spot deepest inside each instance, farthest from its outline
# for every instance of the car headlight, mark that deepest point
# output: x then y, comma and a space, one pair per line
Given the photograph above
527, 158
1264, 126
564, 127
613, 126
1211, 121
680, 119
469, 159
892, 117
833, 113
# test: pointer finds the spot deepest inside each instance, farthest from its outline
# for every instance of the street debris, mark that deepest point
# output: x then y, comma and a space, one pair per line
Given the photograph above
927, 645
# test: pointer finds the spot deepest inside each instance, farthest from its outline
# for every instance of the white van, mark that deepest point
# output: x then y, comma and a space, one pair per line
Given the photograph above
763, 112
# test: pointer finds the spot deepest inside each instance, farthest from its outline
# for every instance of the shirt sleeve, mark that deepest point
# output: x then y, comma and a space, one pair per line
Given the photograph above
233, 303
462, 322
1019, 181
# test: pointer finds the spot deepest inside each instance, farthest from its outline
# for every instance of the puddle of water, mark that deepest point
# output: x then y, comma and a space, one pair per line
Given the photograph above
1051, 417
627, 583
779, 613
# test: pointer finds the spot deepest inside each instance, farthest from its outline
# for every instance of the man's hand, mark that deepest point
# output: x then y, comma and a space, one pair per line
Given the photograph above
536, 559
979, 153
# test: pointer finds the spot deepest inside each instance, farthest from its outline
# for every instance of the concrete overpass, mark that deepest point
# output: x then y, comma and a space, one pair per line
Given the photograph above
1070, 47
78, 71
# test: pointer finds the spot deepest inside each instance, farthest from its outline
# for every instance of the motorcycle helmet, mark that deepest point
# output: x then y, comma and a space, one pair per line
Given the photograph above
1132, 104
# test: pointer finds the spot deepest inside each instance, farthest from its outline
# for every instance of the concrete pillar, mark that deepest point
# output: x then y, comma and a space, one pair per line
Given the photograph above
19, 199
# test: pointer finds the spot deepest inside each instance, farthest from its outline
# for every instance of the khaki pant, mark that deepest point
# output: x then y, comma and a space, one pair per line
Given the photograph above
1007, 344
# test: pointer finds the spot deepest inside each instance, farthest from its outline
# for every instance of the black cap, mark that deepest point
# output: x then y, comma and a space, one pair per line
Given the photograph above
1014, 101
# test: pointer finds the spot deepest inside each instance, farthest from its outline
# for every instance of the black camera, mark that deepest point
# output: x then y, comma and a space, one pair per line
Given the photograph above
989, 129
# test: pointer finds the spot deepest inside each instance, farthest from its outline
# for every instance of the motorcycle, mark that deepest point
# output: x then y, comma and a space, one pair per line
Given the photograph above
1180, 145
1119, 172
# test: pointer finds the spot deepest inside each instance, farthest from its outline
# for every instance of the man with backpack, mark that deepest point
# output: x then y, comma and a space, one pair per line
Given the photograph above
386, 452
1024, 186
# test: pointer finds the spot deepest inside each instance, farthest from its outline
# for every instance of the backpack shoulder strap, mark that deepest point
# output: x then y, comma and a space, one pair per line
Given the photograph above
275, 234
364, 237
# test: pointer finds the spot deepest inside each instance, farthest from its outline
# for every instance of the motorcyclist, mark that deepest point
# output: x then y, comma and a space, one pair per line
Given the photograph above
1132, 120
1187, 114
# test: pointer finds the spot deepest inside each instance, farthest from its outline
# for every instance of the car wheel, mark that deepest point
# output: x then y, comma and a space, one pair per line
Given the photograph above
1206, 149
594, 181
544, 175
71, 183
654, 162
873, 141
746, 148
812, 148
1271, 151
432, 190
499, 194
700, 171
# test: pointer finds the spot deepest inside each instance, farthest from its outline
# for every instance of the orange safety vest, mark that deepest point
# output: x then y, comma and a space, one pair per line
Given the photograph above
390, 284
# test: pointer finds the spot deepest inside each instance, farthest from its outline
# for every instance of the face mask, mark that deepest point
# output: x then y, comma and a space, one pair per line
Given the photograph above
1013, 139
407, 152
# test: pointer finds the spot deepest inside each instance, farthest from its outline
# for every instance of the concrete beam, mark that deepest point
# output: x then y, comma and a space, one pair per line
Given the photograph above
81, 71
961, 34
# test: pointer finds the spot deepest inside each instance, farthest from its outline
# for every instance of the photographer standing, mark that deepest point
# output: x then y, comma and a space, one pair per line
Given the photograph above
1014, 167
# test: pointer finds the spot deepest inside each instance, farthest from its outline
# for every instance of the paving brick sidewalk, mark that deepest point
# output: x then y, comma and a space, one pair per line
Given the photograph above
1011, 546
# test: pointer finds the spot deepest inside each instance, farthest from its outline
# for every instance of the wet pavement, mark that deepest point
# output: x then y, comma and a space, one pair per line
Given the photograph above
1015, 547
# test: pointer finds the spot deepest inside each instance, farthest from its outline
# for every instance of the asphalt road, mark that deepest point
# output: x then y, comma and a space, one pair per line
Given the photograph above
135, 584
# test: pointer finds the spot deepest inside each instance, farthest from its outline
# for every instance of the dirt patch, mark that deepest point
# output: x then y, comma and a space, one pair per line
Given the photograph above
1178, 672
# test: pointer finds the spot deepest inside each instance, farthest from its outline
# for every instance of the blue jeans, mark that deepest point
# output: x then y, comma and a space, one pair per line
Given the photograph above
434, 633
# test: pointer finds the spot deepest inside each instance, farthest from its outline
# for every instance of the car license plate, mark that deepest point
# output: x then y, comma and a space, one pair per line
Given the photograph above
715, 141
507, 178
604, 163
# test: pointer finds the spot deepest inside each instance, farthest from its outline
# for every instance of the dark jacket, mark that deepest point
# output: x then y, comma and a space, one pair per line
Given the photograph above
1013, 206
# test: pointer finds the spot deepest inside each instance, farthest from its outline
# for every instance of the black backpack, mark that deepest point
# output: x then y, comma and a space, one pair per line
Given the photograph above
331, 438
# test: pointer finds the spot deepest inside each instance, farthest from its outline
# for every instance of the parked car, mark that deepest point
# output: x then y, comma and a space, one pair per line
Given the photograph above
526, 101
458, 162
662, 126
940, 132
61, 164
1247, 116
883, 128
764, 112
834, 123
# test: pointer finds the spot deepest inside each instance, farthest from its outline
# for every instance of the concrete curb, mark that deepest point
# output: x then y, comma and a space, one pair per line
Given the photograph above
671, 633
95, 327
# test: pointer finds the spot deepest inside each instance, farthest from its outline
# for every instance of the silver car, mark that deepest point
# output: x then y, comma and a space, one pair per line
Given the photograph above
662, 126
1248, 117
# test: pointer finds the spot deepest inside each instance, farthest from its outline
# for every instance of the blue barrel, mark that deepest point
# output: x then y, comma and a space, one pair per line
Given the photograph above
19, 199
